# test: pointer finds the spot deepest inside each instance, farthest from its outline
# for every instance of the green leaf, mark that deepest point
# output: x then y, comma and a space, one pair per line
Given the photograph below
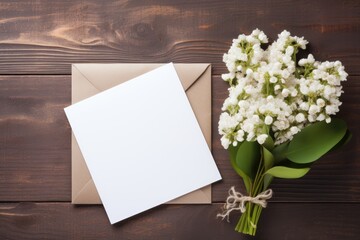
315, 140
279, 152
246, 178
343, 141
269, 143
248, 158
285, 172
267, 180
290, 164
268, 158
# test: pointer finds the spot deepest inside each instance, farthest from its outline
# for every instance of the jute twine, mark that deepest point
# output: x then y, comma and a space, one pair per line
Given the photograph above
236, 202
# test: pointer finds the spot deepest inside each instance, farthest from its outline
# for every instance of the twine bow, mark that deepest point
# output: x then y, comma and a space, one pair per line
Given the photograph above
236, 202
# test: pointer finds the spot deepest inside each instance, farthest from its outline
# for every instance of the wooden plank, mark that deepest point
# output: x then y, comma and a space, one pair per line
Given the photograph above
35, 147
44, 37
65, 221
34, 139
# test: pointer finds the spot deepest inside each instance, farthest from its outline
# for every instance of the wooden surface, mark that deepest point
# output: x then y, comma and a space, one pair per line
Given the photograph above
279, 221
40, 39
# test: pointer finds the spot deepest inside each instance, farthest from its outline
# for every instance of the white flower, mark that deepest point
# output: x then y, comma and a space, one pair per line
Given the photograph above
289, 50
250, 136
249, 71
240, 135
268, 120
225, 142
310, 59
242, 57
302, 42
304, 89
311, 118
321, 117
262, 37
320, 102
255, 32
314, 109
300, 117
286, 59
271, 91
285, 73
294, 130
261, 138
255, 118
273, 79
331, 109
243, 104
285, 92
227, 123
304, 106
294, 93
284, 34
302, 62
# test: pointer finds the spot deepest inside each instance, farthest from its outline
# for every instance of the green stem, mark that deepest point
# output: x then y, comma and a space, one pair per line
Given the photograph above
248, 221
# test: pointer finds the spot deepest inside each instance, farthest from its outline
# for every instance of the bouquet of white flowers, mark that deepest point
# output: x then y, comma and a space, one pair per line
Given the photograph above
277, 118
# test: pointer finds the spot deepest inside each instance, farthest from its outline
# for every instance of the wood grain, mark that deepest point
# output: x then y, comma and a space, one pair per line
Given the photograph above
44, 37
34, 139
35, 147
65, 221
40, 39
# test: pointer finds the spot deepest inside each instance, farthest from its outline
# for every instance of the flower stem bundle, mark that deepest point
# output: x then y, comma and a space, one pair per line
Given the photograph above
278, 118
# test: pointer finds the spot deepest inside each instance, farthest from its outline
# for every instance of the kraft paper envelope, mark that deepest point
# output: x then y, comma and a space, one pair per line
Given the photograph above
90, 79
142, 143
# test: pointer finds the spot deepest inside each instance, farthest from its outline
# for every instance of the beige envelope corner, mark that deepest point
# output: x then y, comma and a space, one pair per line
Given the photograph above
90, 79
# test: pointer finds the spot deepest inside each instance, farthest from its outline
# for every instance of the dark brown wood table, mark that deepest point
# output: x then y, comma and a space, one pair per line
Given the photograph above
40, 39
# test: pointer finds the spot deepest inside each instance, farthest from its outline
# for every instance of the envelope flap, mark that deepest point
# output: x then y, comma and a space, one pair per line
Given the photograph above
80, 82
83, 188
105, 76
87, 195
199, 196
189, 73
